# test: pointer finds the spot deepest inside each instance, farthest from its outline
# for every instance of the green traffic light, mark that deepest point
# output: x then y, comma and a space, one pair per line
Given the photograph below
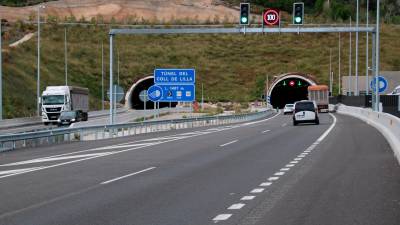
244, 19
297, 19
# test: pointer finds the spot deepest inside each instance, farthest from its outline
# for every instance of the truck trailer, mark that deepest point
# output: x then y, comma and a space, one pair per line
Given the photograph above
57, 99
319, 94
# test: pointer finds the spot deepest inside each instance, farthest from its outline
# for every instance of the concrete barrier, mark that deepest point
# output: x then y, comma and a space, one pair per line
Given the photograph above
387, 124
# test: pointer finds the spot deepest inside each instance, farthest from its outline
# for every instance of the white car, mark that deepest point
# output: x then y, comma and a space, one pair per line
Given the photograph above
396, 91
305, 112
288, 109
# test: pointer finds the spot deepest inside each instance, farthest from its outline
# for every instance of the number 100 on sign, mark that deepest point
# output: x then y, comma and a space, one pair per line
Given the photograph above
271, 17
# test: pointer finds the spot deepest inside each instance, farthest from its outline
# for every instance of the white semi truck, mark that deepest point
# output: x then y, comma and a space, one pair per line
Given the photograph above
57, 99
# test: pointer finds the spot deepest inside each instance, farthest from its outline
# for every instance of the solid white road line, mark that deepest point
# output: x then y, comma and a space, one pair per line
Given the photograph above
131, 174
237, 206
247, 198
223, 145
265, 131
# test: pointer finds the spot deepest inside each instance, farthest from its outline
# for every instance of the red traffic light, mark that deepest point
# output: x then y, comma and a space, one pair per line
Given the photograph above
292, 83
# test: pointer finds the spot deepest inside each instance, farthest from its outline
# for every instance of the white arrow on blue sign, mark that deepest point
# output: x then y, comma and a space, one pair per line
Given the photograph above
383, 84
155, 93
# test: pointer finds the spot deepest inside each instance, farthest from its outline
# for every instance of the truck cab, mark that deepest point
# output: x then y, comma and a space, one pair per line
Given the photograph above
54, 101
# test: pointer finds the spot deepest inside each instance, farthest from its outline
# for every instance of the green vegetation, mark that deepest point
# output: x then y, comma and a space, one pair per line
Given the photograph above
232, 67
21, 2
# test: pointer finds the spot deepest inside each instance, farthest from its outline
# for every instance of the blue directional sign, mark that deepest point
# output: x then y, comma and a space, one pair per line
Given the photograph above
155, 93
177, 93
174, 76
383, 84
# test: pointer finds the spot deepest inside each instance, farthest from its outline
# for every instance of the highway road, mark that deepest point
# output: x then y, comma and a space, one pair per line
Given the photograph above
341, 172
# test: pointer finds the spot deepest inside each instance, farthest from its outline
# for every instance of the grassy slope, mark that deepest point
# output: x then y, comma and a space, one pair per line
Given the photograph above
232, 67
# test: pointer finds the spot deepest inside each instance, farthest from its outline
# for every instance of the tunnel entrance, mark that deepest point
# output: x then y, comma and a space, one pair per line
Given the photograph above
135, 96
289, 90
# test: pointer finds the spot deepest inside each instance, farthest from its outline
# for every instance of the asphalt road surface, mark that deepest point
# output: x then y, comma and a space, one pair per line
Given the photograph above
340, 172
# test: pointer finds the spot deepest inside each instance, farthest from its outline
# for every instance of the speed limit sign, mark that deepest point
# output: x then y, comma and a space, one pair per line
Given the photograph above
271, 17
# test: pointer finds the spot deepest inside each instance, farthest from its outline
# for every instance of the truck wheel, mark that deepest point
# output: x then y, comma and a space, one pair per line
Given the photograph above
317, 121
294, 123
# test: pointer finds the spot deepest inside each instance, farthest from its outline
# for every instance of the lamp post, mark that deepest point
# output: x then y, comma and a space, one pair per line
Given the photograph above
366, 55
66, 56
377, 57
356, 91
1, 72
38, 60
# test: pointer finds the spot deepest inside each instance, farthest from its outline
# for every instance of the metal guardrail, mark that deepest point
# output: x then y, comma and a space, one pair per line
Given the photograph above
61, 135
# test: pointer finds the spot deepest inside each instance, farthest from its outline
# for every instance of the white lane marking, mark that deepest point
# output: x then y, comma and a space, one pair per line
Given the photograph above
261, 121
223, 145
289, 165
298, 159
265, 184
236, 206
7, 172
285, 169
257, 190
247, 198
128, 175
323, 136
221, 217
273, 178
97, 156
279, 174
294, 162
284, 125
265, 131
55, 159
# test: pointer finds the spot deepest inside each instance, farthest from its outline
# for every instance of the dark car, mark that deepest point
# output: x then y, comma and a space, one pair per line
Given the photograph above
68, 117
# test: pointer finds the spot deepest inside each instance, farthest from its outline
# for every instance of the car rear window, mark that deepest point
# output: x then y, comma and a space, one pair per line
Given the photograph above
305, 106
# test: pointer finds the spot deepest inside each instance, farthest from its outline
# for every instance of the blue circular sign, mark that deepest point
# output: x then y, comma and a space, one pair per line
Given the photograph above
155, 93
383, 84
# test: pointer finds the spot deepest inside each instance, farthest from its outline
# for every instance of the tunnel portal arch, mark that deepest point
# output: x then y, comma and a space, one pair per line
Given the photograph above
289, 88
133, 99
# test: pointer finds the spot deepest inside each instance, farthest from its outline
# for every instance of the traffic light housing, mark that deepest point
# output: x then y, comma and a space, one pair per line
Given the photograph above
244, 14
298, 13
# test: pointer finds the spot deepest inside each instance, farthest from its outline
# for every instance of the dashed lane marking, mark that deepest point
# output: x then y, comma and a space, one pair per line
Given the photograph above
273, 178
222, 217
237, 206
265, 184
277, 174
247, 198
128, 175
257, 190
223, 145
